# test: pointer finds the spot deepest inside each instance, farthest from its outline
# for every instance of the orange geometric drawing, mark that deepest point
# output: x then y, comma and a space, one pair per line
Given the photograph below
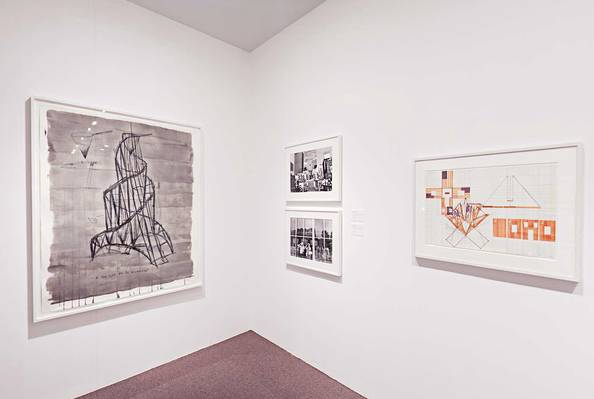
463, 215
525, 229
466, 216
530, 230
500, 228
511, 194
447, 193
514, 229
547, 230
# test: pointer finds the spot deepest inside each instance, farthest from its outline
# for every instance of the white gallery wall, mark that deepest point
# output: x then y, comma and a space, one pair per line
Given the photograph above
113, 54
401, 80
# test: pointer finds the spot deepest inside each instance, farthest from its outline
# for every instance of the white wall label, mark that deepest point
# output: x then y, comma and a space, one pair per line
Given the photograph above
358, 222
358, 229
358, 216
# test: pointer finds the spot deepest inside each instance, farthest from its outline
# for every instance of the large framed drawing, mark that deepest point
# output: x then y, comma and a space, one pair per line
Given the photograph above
314, 170
314, 239
116, 208
516, 211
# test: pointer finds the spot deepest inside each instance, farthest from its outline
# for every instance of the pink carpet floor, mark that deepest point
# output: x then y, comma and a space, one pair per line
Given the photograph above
244, 367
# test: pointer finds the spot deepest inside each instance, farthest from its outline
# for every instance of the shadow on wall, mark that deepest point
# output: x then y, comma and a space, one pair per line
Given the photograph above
313, 273
93, 316
504, 276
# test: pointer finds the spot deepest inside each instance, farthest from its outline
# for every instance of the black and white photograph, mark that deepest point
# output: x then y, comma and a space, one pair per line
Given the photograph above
115, 211
314, 239
311, 170
314, 171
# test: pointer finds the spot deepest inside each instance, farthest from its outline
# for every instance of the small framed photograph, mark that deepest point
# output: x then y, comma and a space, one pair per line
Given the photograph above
517, 211
314, 239
314, 170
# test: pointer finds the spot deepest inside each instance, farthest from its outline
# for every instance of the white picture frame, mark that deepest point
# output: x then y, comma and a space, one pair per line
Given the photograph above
532, 199
311, 159
42, 220
326, 228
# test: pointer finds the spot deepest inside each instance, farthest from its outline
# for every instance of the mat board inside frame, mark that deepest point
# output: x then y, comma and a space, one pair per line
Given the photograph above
314, 239
517, 210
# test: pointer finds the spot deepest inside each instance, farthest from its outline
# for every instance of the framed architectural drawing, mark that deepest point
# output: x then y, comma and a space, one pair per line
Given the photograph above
314, 170
116, 208
314, 239
516, 211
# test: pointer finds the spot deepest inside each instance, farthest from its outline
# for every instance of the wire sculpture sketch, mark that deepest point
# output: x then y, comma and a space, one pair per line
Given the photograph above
117, 208
129, 205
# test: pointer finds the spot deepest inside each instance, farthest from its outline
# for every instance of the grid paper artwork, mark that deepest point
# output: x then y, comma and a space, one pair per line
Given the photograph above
508, 209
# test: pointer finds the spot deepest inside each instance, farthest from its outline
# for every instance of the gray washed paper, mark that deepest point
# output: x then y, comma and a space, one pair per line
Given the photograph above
82, 155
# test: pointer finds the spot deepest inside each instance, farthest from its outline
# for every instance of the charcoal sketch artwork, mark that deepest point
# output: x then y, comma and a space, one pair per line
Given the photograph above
129, 204
118, 217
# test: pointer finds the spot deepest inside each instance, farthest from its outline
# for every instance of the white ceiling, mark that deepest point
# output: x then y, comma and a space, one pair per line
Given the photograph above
242, 23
